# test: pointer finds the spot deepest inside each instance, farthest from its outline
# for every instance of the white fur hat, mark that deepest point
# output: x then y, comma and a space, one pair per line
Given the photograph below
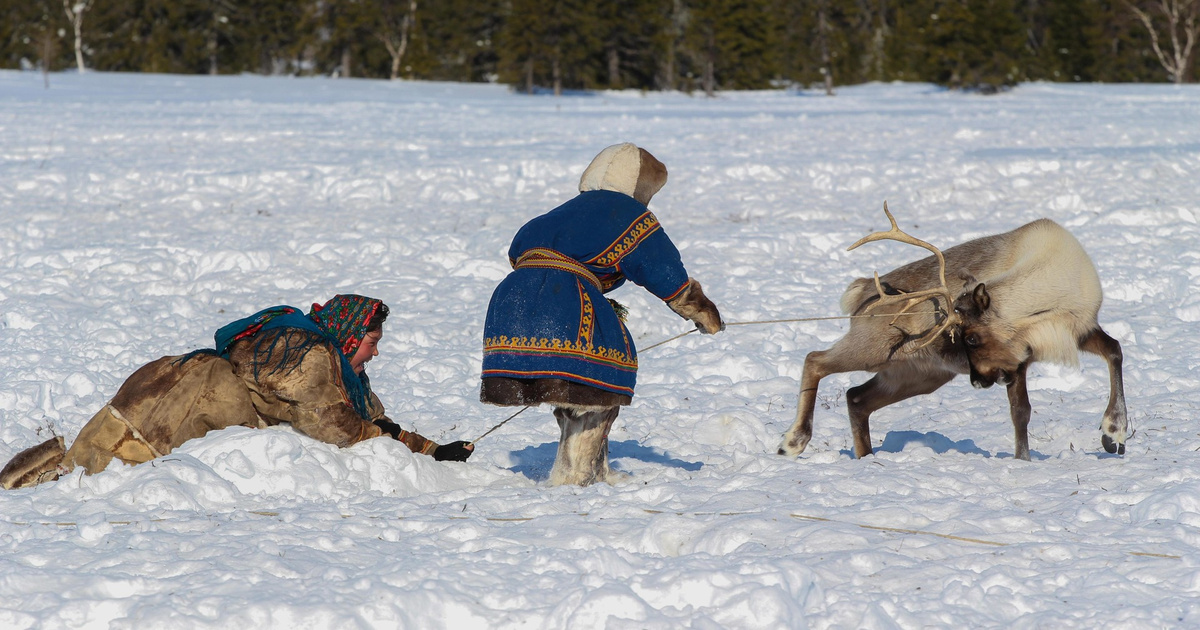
615, 168
625, 168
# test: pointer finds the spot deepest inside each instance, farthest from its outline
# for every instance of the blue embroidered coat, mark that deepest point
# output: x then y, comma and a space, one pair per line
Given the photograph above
549, 318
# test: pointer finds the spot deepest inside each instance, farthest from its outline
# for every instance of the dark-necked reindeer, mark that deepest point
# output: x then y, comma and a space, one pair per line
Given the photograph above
1031, 294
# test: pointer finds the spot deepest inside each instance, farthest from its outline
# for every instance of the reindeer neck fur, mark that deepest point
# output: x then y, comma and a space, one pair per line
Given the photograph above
1044, 289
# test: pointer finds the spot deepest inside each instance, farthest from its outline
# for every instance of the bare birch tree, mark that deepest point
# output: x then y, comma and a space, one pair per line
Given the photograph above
218, 26
709, 76
823, 29
394, 29
47, 48
1182, 26
75, 11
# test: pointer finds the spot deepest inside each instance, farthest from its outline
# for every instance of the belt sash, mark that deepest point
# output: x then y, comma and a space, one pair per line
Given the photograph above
544, 258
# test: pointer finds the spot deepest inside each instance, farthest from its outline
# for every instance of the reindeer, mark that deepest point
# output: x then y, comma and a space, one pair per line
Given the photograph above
1037, 300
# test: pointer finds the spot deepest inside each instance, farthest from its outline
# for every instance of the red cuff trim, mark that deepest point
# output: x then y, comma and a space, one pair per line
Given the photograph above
678, 291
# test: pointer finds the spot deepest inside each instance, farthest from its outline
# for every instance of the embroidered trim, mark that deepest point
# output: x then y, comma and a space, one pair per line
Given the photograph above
641, 228
559, 348
553, 374
543, 258
587, 319
610, 280
678, 291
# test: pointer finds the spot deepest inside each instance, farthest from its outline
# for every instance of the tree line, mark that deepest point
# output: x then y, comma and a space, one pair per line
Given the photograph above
536, 45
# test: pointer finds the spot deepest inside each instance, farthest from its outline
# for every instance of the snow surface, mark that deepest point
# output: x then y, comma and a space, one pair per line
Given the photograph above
140, 212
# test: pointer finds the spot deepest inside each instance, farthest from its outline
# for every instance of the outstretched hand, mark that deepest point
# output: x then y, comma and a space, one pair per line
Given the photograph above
454, 452
692, 304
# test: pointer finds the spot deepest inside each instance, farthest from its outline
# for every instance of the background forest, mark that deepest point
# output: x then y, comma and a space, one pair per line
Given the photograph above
557, 45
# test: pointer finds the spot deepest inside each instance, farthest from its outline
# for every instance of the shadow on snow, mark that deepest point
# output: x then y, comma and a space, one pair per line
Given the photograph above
897, 441
535, 461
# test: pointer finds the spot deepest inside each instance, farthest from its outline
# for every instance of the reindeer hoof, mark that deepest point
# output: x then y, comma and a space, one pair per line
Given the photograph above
793, 448
1111, 445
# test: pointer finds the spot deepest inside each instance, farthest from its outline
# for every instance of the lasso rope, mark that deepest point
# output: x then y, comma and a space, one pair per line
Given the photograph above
753, 323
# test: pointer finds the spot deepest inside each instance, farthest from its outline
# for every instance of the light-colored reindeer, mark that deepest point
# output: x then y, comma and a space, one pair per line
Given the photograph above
1031, 294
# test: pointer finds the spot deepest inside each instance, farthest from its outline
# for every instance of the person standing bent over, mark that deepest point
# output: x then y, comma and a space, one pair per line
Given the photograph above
551, 336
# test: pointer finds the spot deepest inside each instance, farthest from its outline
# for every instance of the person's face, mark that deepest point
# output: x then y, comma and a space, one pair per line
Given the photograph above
367, 350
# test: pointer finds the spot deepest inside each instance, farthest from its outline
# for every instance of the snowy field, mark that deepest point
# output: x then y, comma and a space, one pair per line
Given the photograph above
138, 213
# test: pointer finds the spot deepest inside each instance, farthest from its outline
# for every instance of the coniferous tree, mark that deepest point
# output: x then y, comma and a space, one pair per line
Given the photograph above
549, 43
458, 39
974, 44
29, 34
343, 37
879, 31
632, 36
1057, 39
643, 44
269, 37
1126, 55
153, 36
522, 46
730, 44
906, 51
570, 37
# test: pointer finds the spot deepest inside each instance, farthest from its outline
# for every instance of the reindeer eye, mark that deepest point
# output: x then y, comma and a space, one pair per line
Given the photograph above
972, 340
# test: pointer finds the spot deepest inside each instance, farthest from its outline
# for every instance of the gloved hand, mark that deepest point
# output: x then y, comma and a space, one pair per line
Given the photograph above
694, 305
389, 428
454, 452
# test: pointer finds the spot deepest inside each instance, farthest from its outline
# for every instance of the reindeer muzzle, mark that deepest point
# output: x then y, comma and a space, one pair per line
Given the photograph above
980, 380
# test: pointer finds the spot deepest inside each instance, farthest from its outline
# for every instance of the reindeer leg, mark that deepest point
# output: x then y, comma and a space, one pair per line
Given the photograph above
1115, 423
1020, 409
815, 368
885, 388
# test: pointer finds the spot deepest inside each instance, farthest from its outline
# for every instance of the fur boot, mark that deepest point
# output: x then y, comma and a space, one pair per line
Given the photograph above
583, 446
34, 465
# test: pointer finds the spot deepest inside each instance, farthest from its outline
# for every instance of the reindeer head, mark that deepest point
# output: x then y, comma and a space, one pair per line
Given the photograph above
987, 340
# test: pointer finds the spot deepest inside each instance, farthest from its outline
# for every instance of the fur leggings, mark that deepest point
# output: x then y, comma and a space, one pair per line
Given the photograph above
583, 445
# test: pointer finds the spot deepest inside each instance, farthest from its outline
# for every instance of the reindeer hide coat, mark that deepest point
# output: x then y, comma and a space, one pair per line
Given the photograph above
176, 398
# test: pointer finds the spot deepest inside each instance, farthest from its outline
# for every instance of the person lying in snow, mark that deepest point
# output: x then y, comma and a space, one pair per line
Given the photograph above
275, 366
551, 336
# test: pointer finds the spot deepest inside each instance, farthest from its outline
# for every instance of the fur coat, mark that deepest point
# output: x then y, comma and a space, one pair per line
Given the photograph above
176, 398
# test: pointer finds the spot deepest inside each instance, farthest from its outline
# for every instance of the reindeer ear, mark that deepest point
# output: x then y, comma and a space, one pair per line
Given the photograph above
981, 297
967, 279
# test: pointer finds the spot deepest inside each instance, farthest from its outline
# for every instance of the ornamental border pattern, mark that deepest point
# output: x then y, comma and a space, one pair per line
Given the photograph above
587, 318
559, 347
562, 375
637, 232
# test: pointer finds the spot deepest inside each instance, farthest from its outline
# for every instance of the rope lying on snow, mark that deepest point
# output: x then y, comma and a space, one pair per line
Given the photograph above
900, 530
526, 519
754, 323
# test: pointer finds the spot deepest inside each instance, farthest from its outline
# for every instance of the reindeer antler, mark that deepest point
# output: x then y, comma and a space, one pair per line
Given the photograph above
916, 297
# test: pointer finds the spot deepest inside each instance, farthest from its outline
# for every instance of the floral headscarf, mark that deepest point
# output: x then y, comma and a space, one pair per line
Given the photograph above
346, 318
